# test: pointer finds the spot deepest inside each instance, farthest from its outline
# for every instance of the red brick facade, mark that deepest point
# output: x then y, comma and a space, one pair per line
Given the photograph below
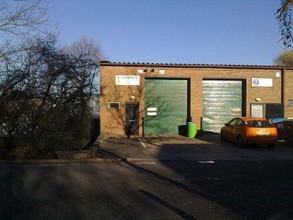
112, 120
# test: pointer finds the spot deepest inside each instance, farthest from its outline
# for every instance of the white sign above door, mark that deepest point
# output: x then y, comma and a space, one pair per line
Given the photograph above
127, 80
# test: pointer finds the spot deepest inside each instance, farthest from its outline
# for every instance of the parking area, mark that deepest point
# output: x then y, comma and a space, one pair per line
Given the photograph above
203, 148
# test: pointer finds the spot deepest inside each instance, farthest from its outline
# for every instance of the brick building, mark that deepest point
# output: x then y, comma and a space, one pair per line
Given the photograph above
144, 99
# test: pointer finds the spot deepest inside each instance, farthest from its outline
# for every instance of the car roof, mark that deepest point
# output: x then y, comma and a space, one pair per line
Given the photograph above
253, 118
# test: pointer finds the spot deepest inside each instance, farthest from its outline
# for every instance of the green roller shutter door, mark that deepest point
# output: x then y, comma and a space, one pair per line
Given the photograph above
222, 101
165, 105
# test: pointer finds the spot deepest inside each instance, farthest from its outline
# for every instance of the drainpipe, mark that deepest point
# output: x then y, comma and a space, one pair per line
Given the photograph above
283, 85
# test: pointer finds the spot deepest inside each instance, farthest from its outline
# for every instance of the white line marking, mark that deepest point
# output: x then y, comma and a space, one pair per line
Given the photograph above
145, 162
206, 161
142, 143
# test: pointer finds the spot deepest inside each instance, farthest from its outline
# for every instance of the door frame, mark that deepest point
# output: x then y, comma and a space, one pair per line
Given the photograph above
131, 123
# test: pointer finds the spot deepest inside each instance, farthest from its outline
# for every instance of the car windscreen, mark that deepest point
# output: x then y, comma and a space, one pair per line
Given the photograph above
259, 124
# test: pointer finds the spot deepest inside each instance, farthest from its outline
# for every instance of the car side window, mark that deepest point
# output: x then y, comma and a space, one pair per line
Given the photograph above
239, 122
233, 122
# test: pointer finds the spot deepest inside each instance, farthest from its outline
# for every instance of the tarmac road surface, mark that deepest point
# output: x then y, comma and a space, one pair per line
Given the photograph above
154, 178
173, 189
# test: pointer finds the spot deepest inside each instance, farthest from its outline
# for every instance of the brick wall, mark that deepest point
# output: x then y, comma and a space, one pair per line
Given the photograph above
112, 120
288, 92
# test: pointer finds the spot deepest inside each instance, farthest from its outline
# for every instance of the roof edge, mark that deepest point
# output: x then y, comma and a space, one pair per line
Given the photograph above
184, 65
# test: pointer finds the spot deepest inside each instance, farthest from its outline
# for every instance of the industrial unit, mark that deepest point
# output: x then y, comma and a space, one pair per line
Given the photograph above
140, 99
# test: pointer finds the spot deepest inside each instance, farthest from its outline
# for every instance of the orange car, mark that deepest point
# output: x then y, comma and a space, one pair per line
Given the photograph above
250, 130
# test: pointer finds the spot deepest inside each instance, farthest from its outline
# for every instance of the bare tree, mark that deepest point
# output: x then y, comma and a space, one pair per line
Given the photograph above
23, 21
44, 90
22, 18
44, 94
87, 54
284, 16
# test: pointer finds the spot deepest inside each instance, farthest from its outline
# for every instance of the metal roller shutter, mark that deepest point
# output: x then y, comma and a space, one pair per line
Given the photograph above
222, 101
165, 105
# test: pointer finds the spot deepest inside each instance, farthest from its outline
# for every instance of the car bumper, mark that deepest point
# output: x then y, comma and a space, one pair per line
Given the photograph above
261, 140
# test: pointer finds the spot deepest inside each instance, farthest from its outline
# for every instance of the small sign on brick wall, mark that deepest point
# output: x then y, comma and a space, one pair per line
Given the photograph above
262, 82
127, 80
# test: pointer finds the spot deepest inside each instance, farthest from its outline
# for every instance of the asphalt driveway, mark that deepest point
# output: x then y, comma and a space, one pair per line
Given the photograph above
166, 177
205, 148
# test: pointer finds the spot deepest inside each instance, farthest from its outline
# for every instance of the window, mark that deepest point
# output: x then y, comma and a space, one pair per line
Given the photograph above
259, 123
114, 105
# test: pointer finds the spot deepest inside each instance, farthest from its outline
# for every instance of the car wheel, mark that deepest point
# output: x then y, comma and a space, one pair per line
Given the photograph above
223, 138
271, 146
240, 142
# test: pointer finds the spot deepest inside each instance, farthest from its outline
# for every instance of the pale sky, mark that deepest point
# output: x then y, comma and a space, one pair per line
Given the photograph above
174, 31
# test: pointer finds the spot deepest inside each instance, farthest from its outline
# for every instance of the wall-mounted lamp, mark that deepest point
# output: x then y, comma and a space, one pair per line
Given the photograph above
258, 99
131, 97
161, 72
277, 74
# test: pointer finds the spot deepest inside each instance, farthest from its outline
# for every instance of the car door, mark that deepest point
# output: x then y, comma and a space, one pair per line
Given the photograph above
238, 129
230, 129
